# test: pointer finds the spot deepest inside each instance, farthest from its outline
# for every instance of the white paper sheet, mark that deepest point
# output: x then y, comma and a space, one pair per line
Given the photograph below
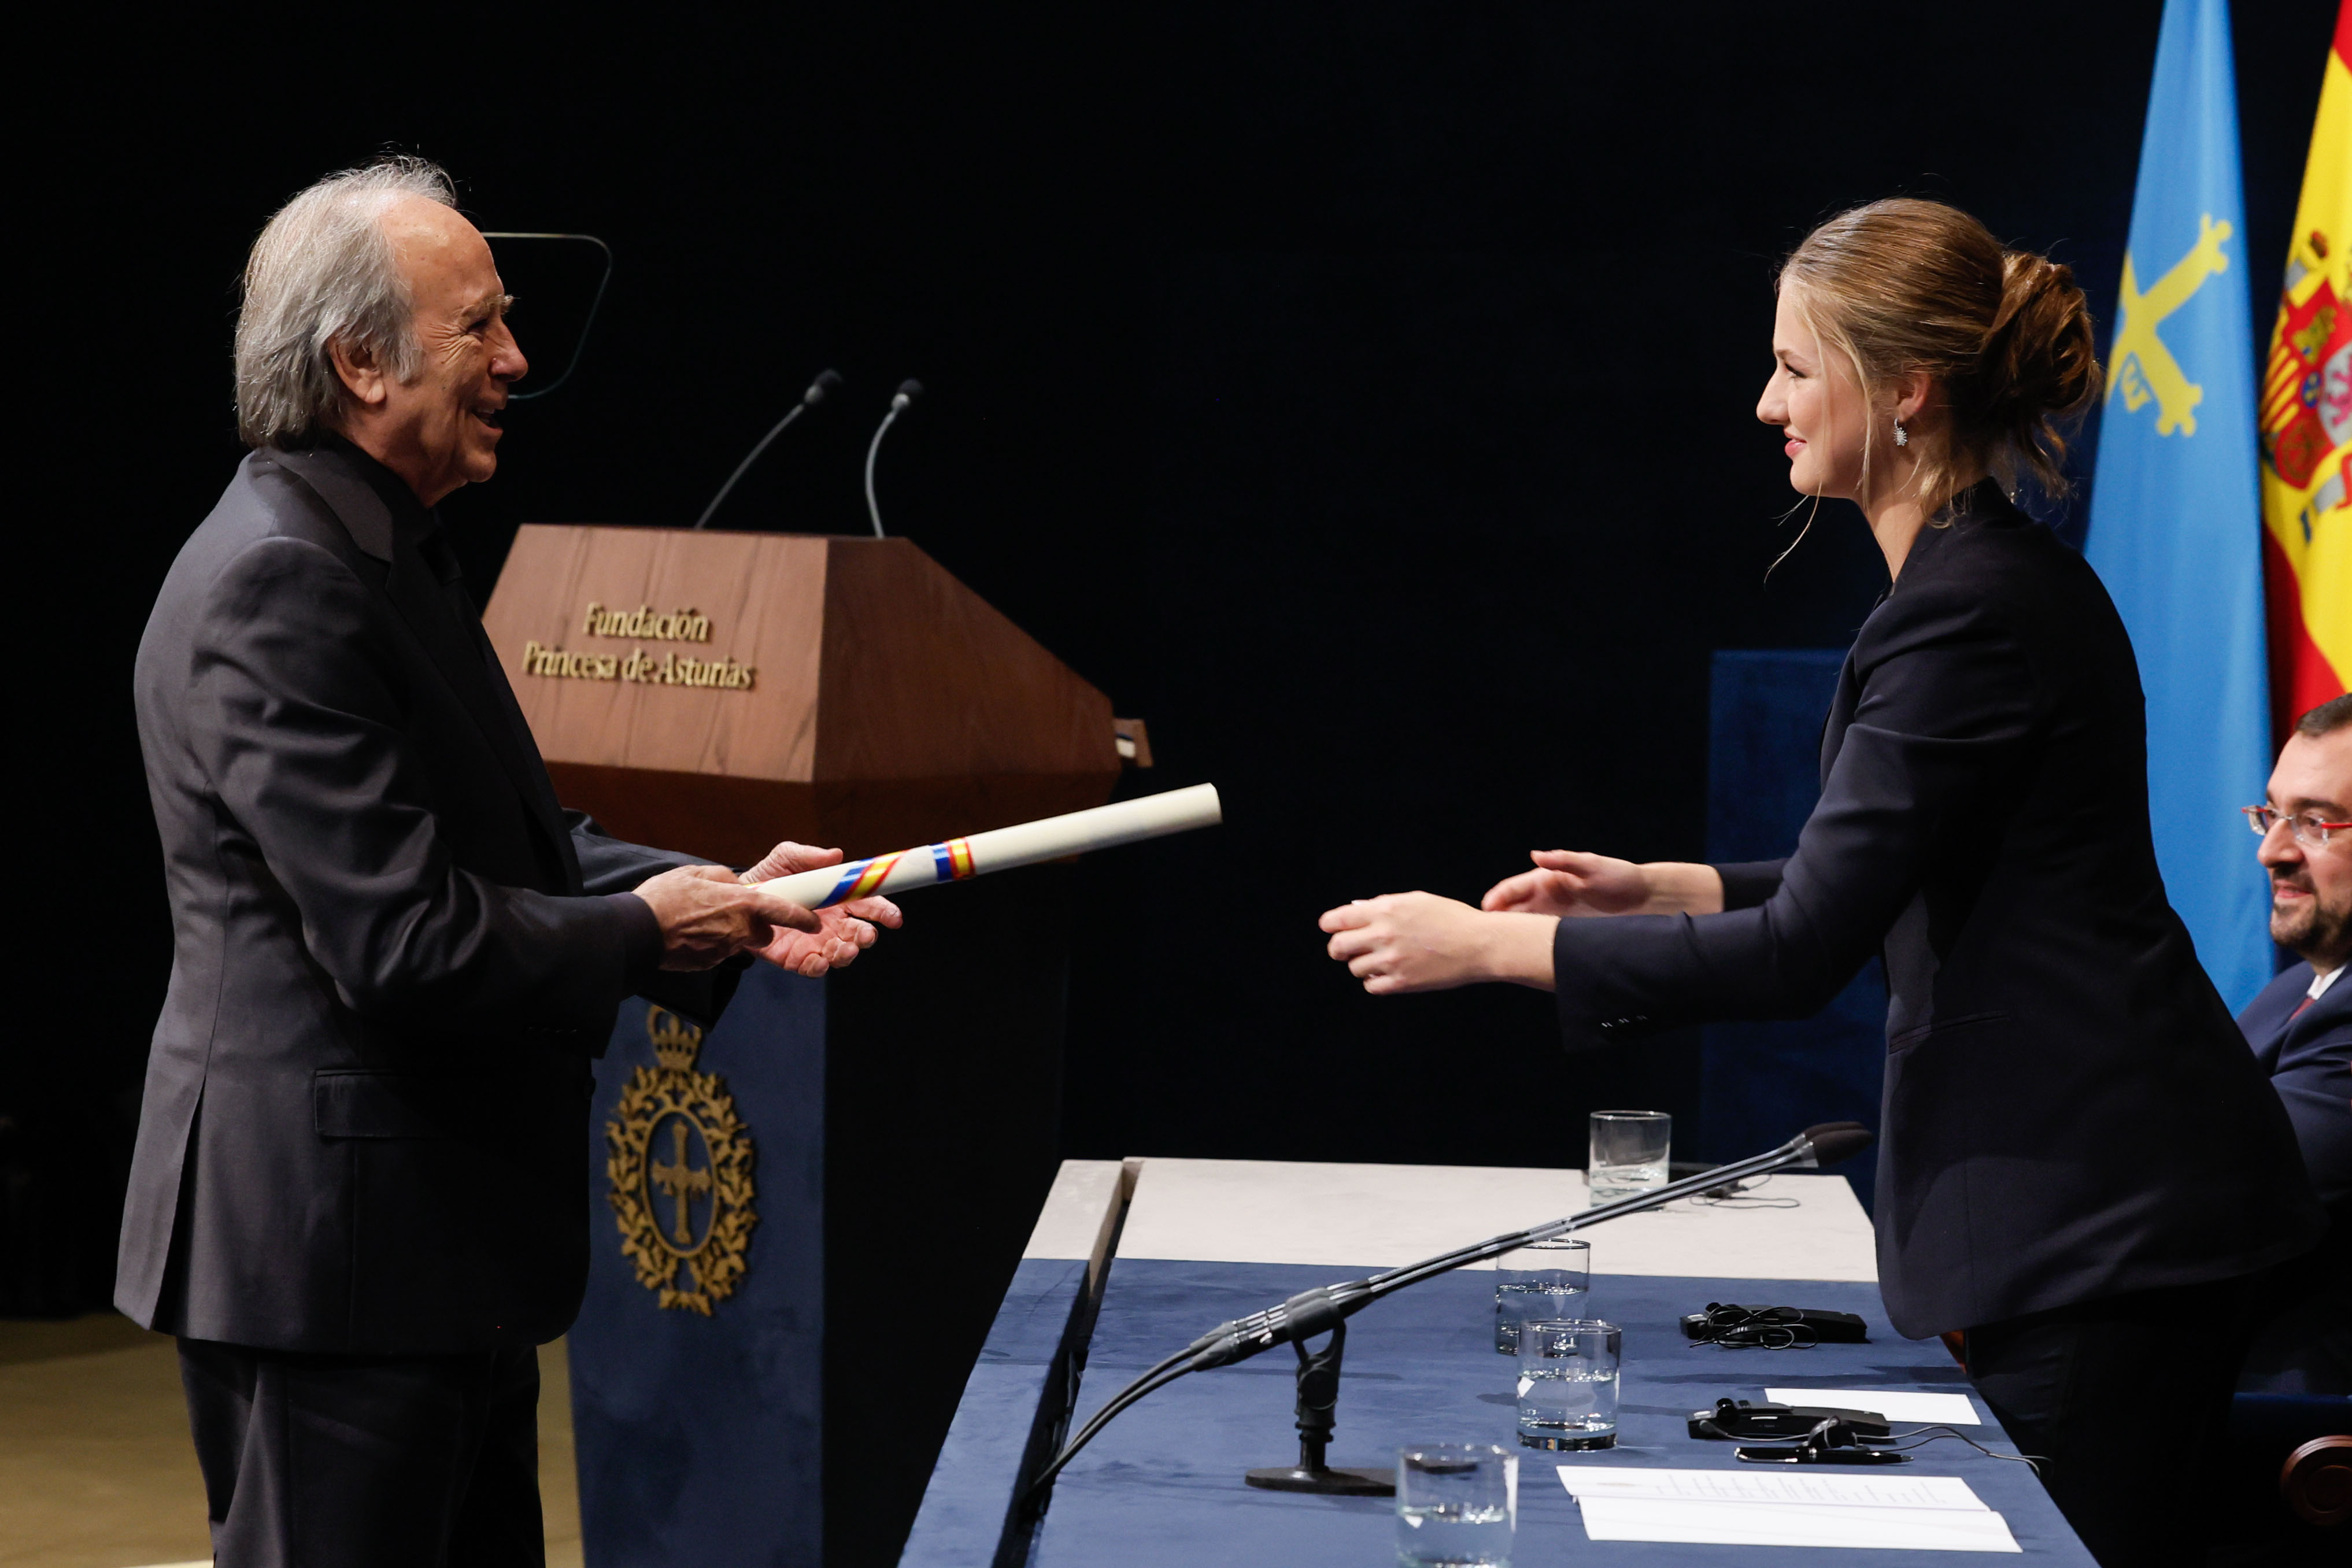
1355, 1218
1814, 1487
1952, 1409
1795, 1524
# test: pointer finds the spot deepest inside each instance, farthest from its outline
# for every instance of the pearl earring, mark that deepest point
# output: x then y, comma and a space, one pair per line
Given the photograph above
1901, 436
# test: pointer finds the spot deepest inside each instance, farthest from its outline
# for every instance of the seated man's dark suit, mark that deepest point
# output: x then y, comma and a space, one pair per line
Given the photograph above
2061, 1075
2307, 1051
362, 1137
2302, 1338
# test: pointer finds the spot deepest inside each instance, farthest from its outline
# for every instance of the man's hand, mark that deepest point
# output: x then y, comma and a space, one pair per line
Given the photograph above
844, 930
708, 917
1571, 882
1402, 943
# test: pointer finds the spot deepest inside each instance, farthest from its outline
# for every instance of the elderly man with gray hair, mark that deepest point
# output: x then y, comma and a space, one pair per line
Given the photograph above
359, 1197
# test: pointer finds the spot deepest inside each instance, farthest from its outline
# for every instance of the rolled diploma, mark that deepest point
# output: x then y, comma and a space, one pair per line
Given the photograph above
1024, 844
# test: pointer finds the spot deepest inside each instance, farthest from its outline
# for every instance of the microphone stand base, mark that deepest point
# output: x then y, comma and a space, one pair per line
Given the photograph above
1331, 1482
1318, 1395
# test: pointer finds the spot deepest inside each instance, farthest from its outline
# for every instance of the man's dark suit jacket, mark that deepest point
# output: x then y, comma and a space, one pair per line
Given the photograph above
364, 1119
2069, 1111
2303, 1312
2308, 1057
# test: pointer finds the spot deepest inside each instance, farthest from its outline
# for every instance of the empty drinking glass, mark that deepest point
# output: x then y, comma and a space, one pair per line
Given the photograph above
1545, 1281
1567, 1383
1456, 1505
1628, 1154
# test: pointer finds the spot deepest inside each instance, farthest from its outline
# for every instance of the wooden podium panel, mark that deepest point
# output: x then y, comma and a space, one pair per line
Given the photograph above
716, 692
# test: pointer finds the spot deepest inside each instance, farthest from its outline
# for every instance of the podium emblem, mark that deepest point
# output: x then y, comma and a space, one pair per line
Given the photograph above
679, 1160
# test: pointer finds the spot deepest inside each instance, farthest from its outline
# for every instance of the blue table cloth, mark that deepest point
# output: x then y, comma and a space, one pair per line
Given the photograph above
1163, 1484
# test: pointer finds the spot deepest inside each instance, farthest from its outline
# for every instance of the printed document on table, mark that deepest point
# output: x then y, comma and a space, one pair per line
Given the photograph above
1773, 1508
1811, 1487
1950, 1409
1795, 1524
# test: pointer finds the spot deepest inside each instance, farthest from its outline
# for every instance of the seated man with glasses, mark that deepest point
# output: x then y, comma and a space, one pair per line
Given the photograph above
2300, 1027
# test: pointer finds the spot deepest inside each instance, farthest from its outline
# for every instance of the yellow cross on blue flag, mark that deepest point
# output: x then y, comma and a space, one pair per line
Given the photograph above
2176, 512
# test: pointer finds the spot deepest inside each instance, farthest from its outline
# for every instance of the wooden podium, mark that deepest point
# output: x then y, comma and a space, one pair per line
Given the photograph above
875, 1141
716, 692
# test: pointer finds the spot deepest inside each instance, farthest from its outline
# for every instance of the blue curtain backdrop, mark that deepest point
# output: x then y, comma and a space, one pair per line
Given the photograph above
2176, 525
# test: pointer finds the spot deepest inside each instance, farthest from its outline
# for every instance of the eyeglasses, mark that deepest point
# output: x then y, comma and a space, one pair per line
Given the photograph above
2308, 829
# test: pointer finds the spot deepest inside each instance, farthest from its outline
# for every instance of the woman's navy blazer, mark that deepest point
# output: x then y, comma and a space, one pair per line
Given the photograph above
2069, 1111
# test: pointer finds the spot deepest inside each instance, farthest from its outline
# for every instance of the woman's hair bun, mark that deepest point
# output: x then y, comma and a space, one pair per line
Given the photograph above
2040, 363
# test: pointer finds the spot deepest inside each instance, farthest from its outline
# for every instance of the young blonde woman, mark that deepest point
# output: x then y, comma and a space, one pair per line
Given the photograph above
2079, 1160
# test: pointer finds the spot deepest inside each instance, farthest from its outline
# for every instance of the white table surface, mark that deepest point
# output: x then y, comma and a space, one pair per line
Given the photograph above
1284, 1210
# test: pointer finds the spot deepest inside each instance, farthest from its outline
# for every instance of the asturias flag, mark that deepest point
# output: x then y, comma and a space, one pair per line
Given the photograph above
2306, 419
2174, 510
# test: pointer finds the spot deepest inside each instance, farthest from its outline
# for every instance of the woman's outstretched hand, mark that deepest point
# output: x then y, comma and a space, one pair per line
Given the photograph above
1402, 943
1571, 882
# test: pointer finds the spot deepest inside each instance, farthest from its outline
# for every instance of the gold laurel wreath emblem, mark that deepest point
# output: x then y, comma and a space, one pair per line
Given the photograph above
695, 1108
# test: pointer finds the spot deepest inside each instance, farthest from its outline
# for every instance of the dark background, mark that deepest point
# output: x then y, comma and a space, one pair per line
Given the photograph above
1361, 394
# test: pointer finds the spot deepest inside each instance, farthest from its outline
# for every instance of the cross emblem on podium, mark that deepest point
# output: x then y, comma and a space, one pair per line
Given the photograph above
680, 1182
698, 1110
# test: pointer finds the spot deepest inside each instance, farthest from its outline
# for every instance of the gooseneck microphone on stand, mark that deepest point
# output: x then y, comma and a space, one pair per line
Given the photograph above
907, 392
827, 382
1327, 1308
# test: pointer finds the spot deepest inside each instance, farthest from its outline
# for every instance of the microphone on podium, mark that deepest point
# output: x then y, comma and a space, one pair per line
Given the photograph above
1327, 1308
908, 390
827, 382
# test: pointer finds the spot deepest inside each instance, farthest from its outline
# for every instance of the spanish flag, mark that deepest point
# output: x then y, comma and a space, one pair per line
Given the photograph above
2306, 419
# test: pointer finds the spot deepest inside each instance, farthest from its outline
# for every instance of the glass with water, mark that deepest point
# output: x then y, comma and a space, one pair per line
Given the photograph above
1456, 1505
1628, 1154
1546, 1280
1567, 1383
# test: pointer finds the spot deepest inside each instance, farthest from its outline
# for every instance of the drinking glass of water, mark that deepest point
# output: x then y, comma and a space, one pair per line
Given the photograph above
1628, 1154
1567, 1383
1456, 1505
1545, 1281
